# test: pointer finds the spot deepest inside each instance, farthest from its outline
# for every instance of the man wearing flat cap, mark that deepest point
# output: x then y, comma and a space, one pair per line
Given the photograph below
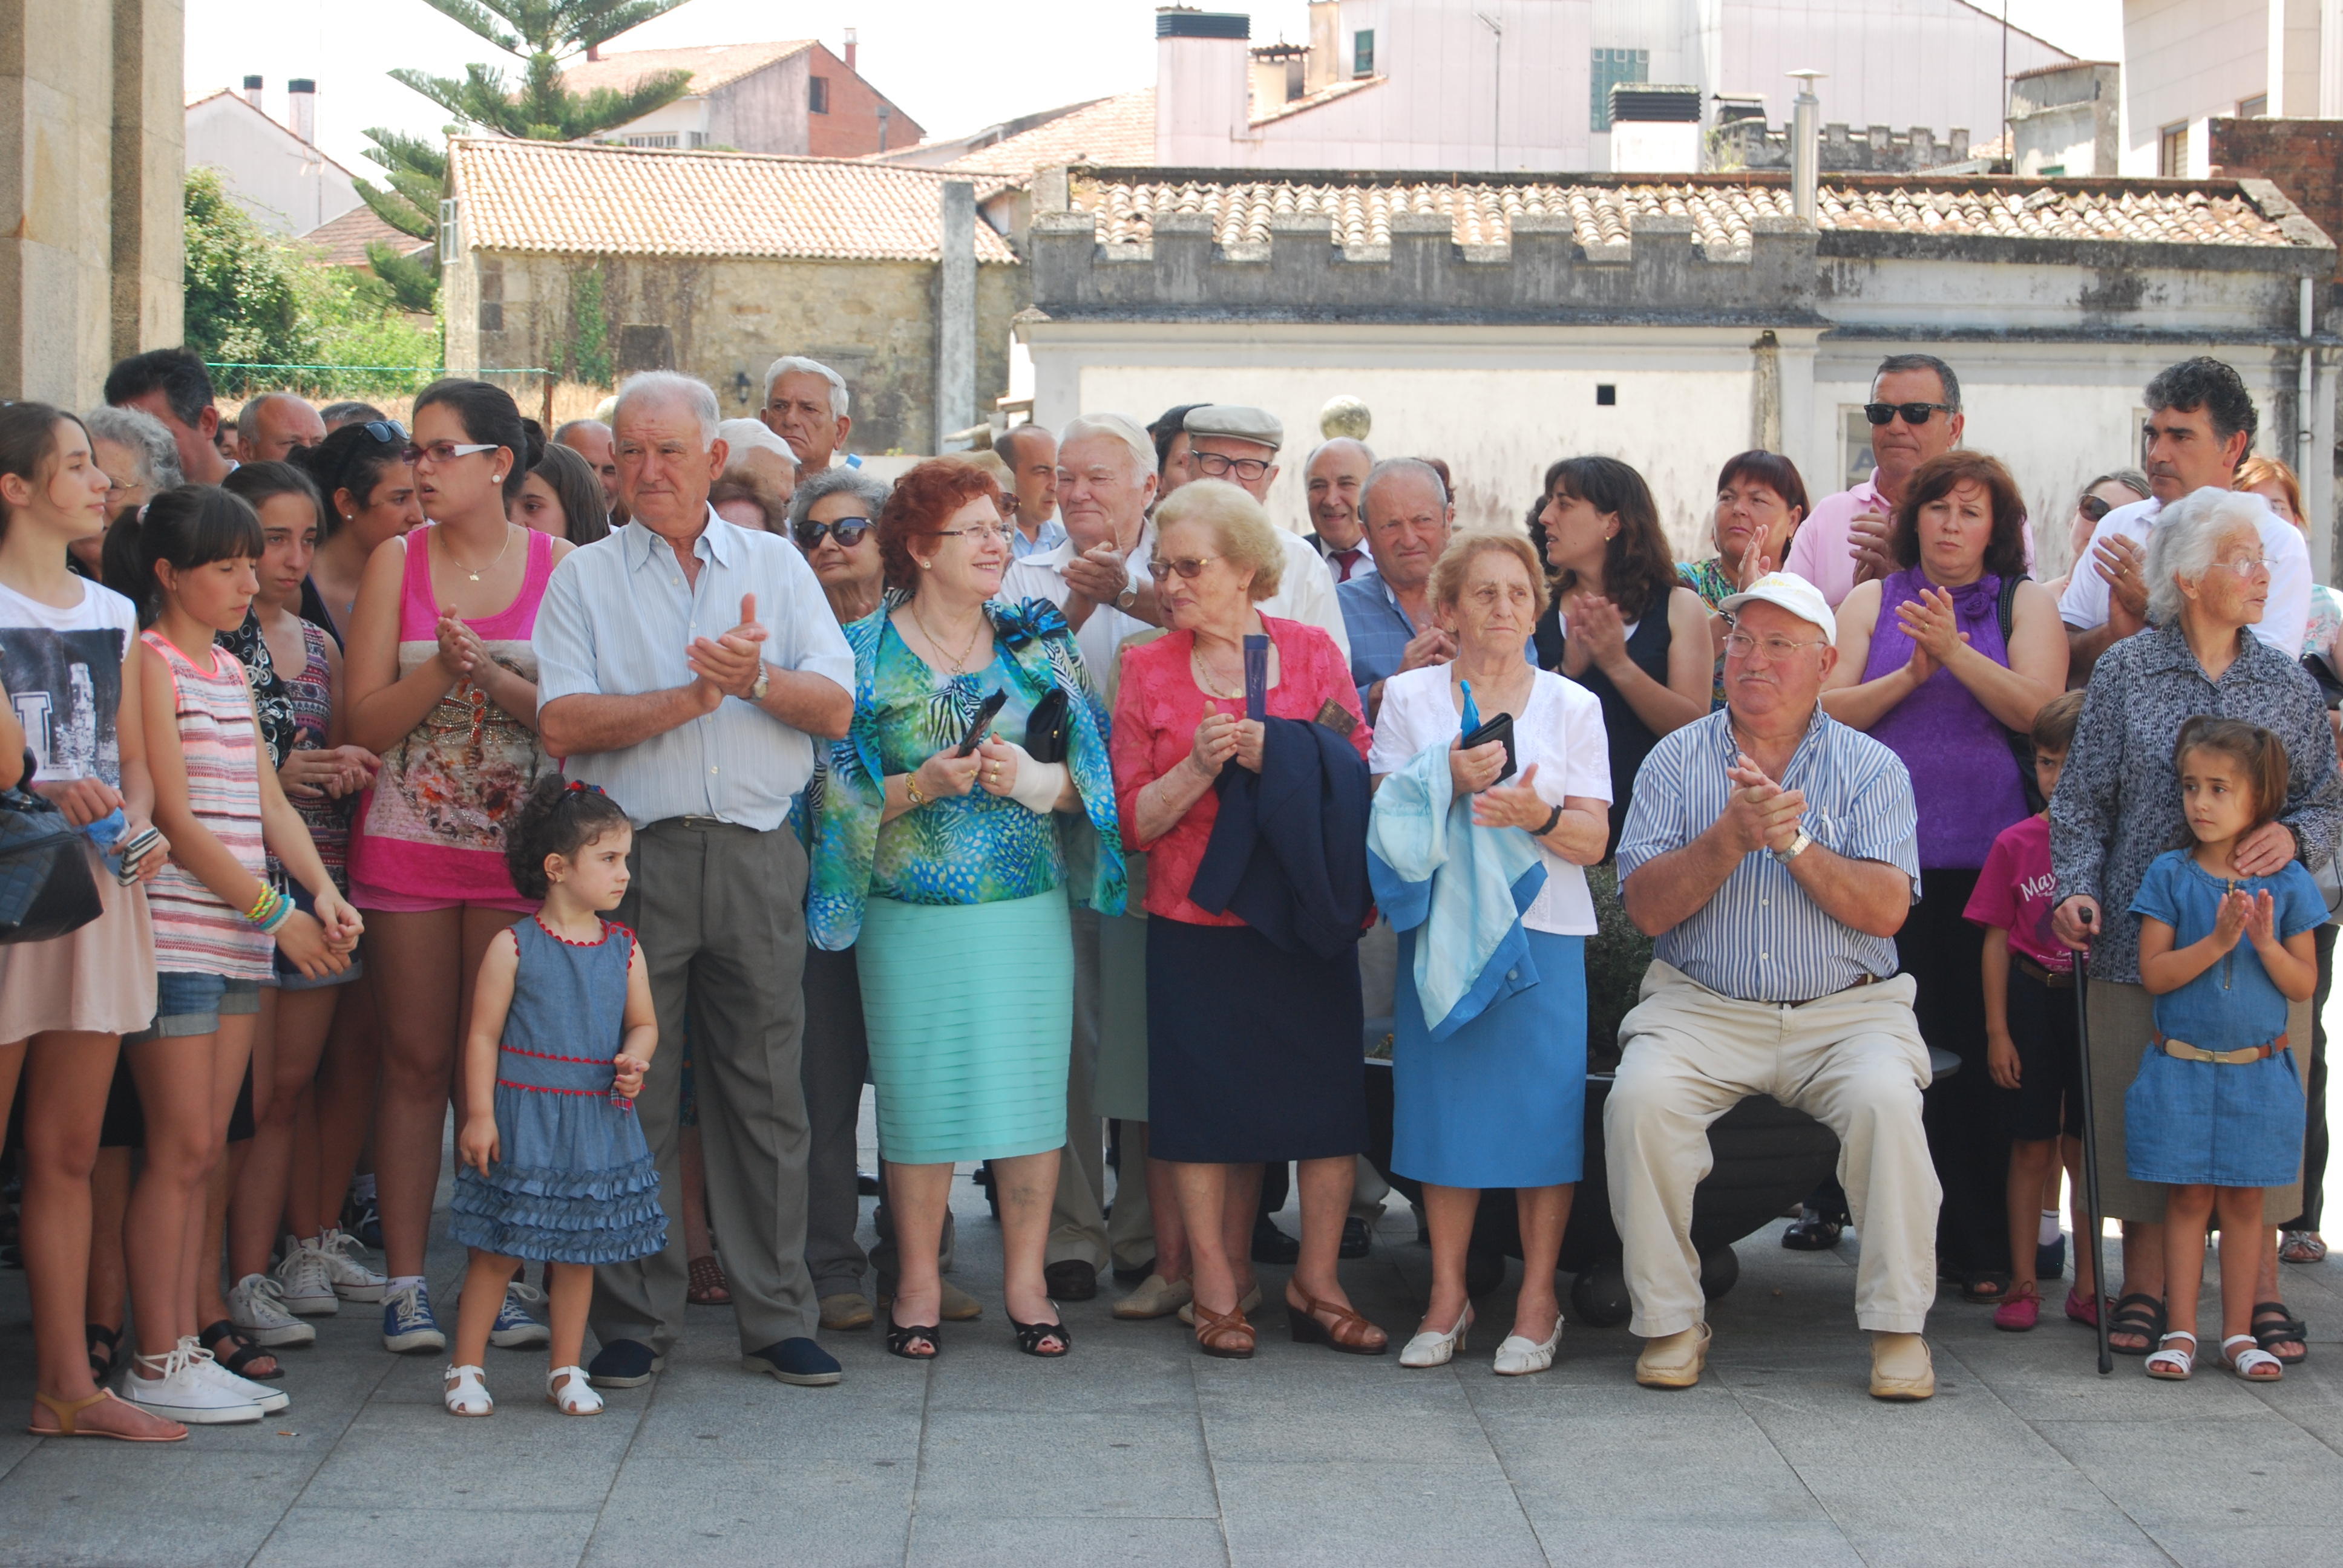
1771, 854
1238, 443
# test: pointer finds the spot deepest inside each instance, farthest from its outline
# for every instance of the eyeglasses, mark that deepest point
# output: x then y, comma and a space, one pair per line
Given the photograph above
1189, 568
1000, 535
2095, 506
1915, 414
1214, 465
847, 531
1741, 645
446, 451
2245, 567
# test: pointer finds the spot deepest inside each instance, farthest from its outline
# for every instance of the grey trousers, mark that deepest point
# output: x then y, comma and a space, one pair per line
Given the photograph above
836, 1059
1078, 1216
720, 910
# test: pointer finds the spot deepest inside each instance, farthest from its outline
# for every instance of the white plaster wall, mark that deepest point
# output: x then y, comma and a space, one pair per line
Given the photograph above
1900, 63
2183, 60
287, 185
681, 116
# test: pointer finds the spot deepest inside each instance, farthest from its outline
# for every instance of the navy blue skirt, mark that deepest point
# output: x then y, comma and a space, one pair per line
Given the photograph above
1254, 1054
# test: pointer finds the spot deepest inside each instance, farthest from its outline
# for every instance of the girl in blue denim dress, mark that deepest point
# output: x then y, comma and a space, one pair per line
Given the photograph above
2217, 1111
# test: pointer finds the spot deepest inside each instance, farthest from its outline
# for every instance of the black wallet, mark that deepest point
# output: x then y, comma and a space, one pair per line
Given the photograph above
1501, 728
1049, 729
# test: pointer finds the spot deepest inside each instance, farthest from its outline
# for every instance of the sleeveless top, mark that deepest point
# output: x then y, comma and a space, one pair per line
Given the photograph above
194, 930
1964, 780
295, 714
434, 822
568, 1014
1631, 739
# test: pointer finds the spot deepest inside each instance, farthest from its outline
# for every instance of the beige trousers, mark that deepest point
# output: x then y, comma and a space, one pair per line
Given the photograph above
1854, 1062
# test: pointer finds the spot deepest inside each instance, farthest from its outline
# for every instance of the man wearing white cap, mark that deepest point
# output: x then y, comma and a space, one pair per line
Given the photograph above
753, 446
1239, 443
1771, 854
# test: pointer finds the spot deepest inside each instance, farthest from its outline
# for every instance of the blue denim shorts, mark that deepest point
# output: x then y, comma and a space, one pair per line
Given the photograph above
189, 1002
287, 975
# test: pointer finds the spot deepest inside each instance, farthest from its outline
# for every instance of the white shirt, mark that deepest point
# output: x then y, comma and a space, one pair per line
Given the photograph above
1560, 730
2285, 620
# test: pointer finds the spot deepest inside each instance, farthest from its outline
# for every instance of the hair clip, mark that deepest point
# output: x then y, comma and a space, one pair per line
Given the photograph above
142, 512
576, 785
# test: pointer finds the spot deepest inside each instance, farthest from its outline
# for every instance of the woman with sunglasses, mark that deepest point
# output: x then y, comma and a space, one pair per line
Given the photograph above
942, 841
442, 686
830, 518
2100, 497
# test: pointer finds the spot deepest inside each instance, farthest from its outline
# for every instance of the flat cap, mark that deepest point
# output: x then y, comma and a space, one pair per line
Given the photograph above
1239, 422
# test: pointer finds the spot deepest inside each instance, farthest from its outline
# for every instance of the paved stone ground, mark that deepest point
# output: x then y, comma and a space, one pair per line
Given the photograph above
1138, 1449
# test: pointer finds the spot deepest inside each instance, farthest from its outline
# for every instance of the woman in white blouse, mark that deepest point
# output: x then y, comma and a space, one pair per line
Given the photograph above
1499, 1102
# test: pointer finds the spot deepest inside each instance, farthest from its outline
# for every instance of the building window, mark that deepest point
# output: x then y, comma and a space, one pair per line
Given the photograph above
1362, 52
652, 139
818, 94
1610, 67
2254, 108
695, 140
2172, 151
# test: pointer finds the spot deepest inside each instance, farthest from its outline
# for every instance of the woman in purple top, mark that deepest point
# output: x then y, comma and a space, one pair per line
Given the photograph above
1926, 666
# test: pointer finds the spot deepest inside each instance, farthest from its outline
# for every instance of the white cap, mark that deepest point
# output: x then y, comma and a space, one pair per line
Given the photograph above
1793, 593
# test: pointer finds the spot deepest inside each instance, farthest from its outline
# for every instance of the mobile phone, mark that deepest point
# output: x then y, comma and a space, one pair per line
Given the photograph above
124, 858
976, 726
1500, 727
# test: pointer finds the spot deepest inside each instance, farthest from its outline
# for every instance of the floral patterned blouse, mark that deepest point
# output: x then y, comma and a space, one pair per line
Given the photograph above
1708, 579
973, 849
2118, 801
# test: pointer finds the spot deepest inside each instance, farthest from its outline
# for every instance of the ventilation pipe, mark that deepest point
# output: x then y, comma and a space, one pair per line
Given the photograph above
301, 98
851, 41
1806, 152
252, 92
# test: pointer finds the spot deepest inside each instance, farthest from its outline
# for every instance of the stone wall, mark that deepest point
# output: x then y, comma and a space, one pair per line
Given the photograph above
724, 320
1752, 143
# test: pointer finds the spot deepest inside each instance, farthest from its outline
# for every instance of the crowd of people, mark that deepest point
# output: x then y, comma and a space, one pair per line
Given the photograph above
635, 793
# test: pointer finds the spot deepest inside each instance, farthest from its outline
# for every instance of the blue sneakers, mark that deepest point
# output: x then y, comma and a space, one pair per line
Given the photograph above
795, 1360
515, 1329
623, 1364
408, 1324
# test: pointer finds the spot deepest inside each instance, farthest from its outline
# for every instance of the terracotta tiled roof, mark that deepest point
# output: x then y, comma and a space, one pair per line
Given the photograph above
586, 200
343, 241
1117, 130
1722, 212
711, 66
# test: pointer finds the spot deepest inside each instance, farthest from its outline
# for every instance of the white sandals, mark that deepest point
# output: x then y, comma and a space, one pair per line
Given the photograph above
1519, 1357
2170, 1365
1432, 1349
2250, 1360
466, 1392
567, 1390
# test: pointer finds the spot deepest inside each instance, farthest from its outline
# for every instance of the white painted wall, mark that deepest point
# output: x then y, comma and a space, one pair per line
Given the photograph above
287, 185
2187, 60
1899, 62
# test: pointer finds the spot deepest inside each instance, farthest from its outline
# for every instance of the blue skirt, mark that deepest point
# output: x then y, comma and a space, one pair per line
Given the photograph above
573, 1182
2202, 1123
1502, 1102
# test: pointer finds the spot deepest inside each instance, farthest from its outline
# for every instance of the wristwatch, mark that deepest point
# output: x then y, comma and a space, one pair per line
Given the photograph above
1127, 598
762, 684
1797, 847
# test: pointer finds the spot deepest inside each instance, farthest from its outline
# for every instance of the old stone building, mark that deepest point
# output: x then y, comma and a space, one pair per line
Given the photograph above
594, 261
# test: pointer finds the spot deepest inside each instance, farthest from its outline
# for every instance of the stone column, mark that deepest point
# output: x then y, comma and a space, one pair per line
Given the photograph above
956, 313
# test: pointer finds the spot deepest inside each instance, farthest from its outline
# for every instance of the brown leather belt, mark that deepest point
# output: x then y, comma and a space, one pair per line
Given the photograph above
2184, 1051
1858, 985
2056, 982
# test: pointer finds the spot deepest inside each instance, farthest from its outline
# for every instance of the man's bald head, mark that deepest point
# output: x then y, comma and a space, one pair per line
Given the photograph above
274, 424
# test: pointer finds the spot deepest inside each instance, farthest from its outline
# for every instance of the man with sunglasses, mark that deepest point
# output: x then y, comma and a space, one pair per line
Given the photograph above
2200, 426
1915, 415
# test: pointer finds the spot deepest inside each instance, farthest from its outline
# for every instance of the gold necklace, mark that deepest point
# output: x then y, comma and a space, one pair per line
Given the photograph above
469, 572
1208, 681
959, 664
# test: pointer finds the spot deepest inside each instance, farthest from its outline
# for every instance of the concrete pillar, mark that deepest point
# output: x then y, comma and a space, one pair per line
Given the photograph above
956, 313
149, 137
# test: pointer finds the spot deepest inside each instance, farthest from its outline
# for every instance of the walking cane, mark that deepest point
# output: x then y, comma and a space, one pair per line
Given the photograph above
2091, 1211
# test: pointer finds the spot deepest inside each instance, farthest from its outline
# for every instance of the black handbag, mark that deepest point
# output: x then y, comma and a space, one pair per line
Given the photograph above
46, 887
1049, 730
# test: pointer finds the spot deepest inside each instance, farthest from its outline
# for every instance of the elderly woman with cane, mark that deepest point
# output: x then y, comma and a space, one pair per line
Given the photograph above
2118, 807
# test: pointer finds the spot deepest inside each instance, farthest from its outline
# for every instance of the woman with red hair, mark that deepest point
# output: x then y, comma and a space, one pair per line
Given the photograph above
937, 833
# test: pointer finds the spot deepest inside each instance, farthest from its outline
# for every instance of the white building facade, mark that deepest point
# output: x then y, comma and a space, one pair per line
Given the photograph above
2189, 61
273, 170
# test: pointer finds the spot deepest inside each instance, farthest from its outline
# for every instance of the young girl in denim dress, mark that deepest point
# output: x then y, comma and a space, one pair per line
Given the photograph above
2217, 1111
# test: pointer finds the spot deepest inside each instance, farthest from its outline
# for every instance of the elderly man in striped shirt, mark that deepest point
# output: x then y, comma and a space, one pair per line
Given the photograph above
1771, 853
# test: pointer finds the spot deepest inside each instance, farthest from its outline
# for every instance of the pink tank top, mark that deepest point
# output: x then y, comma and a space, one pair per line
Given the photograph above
434, 822
194, 930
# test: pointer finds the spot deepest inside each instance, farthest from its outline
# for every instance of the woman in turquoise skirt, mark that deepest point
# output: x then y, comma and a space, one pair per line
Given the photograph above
953, 866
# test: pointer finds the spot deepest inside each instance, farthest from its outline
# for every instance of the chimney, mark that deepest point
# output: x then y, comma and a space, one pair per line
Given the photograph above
301, 98
252, 92
1655, 130
1202, 81
885, 114
850, 49
1805, 154
594, 52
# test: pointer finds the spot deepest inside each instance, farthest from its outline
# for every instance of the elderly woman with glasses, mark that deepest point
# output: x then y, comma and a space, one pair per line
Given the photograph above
2118, 807
939, 840
1939, 662
1254, 1047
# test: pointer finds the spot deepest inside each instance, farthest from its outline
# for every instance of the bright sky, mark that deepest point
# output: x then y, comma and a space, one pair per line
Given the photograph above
953, 67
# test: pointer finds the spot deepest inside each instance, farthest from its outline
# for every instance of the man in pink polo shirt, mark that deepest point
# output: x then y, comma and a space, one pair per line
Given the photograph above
1916, 413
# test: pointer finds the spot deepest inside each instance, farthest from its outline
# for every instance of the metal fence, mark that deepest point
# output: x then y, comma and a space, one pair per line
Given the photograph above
531, 386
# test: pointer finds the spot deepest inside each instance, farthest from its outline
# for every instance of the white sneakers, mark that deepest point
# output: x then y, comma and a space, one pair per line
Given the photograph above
196, 1390
352, 1280
303, 1283
257, 1307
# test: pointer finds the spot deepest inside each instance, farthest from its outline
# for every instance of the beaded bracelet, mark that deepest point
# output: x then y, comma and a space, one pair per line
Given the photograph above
270, 909
278, 917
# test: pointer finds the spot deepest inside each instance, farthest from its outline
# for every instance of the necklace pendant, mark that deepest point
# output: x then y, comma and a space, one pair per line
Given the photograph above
474, 575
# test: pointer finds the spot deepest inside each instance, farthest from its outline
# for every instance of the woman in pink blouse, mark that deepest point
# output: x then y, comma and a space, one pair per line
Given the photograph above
1254, 1051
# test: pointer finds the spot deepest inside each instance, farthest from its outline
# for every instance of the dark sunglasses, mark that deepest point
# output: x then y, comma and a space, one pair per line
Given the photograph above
385, 430
847, 531
1913, 413
2095, 507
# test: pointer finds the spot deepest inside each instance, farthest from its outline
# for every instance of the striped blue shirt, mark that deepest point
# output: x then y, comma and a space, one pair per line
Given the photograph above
617, 620
1761, 938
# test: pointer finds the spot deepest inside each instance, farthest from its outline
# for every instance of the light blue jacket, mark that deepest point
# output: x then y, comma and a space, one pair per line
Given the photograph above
1462, 889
